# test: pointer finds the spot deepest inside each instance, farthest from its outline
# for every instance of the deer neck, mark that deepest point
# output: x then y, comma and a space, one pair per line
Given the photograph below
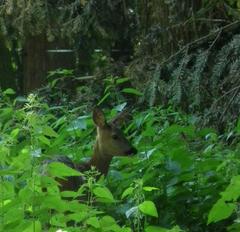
100, 160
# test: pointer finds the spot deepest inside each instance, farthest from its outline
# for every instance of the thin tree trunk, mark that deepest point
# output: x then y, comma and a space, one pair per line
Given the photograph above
171, 22
34, 62
7, 75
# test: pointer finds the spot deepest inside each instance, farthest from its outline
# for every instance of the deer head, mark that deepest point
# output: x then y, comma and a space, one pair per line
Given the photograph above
110, 140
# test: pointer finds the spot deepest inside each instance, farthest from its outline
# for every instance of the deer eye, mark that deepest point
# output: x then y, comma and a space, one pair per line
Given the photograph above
114, 136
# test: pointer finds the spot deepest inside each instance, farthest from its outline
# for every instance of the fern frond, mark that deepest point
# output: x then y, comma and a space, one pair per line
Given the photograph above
223, 60
153, 85
196, 77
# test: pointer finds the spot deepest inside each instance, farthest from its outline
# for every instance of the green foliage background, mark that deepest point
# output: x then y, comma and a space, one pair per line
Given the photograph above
183, 179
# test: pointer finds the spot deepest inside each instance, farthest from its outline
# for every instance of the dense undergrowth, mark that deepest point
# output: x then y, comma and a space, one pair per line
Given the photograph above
184, 178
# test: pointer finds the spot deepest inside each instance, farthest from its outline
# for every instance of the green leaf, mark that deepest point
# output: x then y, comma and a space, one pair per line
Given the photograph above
160, 229
13, 215
148, 208
22, 161
213, 137
238, 126
149, 189
15, 132
103, 192
120, 107
77, 217
127, 192
9, 172
132, 91
34, 226
47, 181
103, 99
108, 224
6, 113
155, 229
25, 194
58, 169
182, 157
79, 124
93, 221
48, 131
54, 202
122, 80
232, 192
69, 194
125, 229
58, 219
9, 92
44, 140
221, 210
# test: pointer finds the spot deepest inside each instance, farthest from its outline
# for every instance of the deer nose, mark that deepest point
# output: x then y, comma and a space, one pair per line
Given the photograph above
132, 151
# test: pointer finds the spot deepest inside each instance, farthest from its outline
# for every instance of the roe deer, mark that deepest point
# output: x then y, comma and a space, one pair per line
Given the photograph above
110, 141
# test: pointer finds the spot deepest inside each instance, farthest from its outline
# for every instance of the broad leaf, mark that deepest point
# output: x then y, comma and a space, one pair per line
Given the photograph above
149, 189
103, 192
132, 91
93, 221
221, 210
60, 170
127, 192
148, 208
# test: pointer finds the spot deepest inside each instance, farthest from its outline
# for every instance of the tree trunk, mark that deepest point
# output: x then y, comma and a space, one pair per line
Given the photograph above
171, 23
34, 62
7, 75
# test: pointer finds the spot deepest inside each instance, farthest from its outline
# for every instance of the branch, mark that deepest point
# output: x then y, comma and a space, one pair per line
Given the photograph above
203, 39
83, 78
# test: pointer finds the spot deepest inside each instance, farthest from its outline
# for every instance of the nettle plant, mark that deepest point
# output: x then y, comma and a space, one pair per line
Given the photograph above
174, 182
29, 136
186, 167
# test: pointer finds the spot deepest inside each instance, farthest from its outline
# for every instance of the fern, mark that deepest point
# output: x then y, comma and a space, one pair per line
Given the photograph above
178, 76
223, 60
234, 68
198, 69
153, 85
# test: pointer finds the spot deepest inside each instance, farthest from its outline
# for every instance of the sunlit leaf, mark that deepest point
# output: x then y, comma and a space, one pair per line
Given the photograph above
48, 131
44, 140
122, 80
148, 208
93, 221
9, 91
15, 132
149, 189
127, 192
34, 226
103, 192
132, 91
221, 210
61, 170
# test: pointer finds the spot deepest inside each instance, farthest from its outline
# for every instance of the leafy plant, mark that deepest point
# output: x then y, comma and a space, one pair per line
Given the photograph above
173, 184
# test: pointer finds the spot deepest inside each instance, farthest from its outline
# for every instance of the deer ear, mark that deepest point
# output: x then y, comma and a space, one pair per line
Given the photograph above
120, 118
98, 117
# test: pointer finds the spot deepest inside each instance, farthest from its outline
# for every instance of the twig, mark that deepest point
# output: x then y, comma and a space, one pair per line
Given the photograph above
83, 78
231, 90
203, 39
212, 20
228, 105
215, 40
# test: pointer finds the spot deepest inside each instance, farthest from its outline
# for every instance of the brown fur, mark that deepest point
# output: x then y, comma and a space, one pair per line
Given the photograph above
110, 141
